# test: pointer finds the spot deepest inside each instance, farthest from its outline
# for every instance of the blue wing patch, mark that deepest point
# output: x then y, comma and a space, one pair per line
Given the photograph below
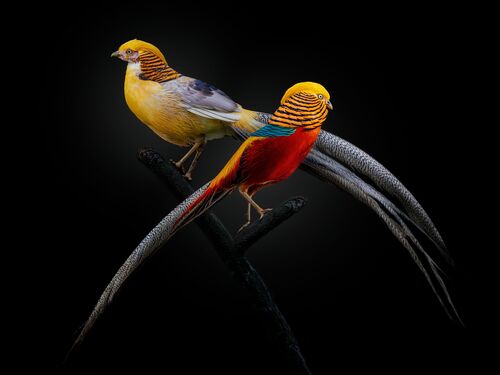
273, 131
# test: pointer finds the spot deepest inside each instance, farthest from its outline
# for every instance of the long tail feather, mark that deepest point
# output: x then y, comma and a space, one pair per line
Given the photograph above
187, 211
358, 160
334, 172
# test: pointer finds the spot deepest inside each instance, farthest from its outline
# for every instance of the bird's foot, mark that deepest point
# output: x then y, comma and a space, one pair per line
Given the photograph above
263, 212
188, 176
179, 166
244, 226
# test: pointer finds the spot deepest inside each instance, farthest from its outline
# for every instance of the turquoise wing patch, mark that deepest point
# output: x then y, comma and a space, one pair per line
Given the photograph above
273, 131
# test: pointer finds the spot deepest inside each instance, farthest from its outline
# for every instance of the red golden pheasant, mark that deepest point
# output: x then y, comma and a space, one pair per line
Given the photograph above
271, 154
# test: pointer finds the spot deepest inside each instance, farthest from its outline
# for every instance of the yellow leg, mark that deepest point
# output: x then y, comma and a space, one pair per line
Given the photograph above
199, 151
260, 210
180, 164
249, 217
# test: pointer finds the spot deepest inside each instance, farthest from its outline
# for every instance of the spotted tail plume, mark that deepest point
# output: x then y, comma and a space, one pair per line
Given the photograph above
187, 211
394, 217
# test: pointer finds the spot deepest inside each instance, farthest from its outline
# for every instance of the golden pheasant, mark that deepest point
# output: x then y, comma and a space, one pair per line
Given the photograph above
181, 110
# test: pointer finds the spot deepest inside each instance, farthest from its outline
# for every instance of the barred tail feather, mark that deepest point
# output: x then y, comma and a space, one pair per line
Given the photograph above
332, 171
358, 160
187, 211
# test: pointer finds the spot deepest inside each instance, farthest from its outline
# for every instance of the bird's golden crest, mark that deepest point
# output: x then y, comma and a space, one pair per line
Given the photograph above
308, 87
141, 46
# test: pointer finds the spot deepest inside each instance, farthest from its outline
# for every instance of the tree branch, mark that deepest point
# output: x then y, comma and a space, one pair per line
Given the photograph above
251, 234
231, 250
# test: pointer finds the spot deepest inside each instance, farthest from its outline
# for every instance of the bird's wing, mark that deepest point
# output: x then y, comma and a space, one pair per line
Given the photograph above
206, 100
271, 131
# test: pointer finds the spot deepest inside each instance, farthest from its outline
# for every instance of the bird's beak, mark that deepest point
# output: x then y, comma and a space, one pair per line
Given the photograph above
329, 105
115, 54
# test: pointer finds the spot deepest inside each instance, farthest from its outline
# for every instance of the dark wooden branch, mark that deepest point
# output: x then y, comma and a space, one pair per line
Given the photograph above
231, 250
210, 224
259, 228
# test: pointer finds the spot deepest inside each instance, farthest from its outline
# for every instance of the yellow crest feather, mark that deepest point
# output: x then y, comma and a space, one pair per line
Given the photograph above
140, 45
309, 87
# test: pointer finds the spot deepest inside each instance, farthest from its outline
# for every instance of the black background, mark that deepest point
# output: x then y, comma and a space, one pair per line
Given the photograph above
350, 292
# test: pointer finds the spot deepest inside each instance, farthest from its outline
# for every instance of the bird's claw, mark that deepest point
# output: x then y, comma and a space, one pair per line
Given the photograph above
179, 166
264, 212
188, 176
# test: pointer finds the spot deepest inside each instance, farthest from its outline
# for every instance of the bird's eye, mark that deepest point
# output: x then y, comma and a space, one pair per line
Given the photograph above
128, 52
320, 96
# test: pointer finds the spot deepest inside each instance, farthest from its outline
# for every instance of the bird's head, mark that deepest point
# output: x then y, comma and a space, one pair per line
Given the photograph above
313, 91
304, 105
134, 49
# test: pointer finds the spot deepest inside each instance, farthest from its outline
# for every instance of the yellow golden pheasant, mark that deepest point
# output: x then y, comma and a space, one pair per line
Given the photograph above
181, 110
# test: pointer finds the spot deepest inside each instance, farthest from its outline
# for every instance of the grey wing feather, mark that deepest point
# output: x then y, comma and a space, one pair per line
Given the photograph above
355, 158
148, 246
198, 95
222, 116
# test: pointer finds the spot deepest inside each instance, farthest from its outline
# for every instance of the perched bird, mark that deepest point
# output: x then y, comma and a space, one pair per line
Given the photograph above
181, 110
273, 153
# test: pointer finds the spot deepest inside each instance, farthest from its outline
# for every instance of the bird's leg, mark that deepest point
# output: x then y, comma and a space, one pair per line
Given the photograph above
260, 210
249, 218
199, 151
180, 164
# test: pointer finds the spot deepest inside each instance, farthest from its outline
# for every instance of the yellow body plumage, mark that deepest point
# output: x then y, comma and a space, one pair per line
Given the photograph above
163, 113
179, 109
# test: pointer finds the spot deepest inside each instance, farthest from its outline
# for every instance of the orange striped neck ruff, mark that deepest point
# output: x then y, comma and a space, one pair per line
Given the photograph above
301, 110
154, 68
